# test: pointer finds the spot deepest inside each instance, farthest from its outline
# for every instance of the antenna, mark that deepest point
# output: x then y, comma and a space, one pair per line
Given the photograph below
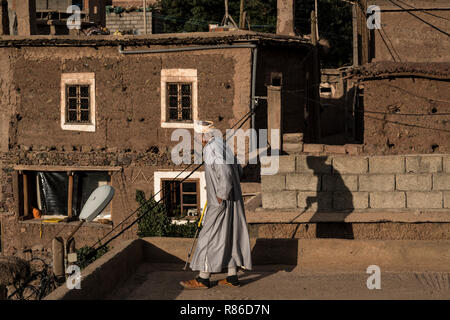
227, 18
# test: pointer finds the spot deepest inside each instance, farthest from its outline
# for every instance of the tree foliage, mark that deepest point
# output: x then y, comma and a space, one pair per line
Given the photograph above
335, 20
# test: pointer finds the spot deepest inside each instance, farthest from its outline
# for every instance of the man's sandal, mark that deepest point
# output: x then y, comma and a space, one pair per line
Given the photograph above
196, 284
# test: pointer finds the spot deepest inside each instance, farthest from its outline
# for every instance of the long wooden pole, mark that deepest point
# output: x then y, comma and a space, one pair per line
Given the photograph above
145, 16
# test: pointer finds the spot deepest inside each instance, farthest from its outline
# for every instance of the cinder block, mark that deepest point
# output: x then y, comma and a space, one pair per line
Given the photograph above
356, 165
279, 200
424, 200
335, 149
286, 164
446, 195
441, 182
387, 164
423, 164
314, 164
413, 182
303, 182
350, 200
377, 182
354, 149
273, 183
387, 200
317, 200
446, 163
313, 148
339, 183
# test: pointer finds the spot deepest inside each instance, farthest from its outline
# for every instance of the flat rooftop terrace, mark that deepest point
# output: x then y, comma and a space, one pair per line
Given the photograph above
284, 269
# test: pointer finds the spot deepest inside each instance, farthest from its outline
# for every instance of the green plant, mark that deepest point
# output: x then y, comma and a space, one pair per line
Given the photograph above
86, 255
154, 221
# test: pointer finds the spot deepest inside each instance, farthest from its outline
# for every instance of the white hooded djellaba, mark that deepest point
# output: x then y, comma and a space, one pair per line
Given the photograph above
224, 240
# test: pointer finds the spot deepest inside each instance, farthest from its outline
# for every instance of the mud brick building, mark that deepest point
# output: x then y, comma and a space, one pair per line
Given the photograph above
78, 112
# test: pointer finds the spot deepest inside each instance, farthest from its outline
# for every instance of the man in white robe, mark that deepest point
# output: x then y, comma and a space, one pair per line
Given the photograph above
223, 241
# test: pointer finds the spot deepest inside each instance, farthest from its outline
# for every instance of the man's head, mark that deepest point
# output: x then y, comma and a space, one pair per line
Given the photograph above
204, 129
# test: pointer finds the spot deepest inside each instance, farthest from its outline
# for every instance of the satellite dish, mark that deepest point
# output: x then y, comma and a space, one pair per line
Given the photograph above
98, 200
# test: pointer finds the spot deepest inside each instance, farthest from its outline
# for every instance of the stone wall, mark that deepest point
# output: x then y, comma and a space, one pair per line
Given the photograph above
325, 183
127, 21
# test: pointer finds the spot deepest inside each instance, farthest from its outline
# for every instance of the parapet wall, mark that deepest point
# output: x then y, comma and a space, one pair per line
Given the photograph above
325, 183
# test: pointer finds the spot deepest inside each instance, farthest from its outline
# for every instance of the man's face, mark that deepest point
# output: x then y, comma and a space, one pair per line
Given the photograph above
200, 138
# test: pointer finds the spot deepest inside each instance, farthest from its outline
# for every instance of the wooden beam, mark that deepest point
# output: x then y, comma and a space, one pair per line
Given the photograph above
70, 196
63, 168
26, 209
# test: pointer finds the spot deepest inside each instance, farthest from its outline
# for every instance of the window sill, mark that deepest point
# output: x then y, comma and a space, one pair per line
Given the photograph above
87, 127
74, 223
177, 125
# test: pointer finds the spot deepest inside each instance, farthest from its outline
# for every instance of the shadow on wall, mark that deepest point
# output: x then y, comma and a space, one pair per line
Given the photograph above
332, 193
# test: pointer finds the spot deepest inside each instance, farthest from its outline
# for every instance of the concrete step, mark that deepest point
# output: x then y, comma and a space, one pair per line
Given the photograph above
292, 147
293, 138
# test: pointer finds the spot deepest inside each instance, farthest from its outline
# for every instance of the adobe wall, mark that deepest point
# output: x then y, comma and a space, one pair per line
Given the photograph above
410, 38
128, 132
386, 131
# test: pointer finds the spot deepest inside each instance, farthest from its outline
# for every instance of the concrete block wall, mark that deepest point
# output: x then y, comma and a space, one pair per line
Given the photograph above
358, 182
128, 21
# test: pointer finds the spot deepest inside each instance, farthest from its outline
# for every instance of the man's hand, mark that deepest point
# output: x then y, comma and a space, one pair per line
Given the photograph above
220, 200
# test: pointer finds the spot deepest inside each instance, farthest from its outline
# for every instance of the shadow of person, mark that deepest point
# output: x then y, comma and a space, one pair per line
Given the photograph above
332, 194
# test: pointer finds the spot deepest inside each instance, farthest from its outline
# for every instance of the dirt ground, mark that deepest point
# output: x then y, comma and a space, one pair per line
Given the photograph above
161, 282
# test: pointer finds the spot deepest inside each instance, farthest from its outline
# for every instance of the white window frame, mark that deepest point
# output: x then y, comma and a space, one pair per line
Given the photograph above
178, 75
78, 79
162, 175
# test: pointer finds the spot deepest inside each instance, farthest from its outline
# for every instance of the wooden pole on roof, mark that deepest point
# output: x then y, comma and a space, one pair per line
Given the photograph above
145, 16
241, 16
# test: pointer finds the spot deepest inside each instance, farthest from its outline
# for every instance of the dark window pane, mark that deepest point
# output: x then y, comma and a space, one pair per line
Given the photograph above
72, 91
173, 114
72, 104
84, 91
84, 115
173, 102
186, 102
72, 116
173, 89
187, 114
189, 187
186, 89
84, 104
189, 199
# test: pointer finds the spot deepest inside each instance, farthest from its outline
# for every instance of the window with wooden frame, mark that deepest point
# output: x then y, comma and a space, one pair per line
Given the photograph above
179, 98
78, 102
179, 102
56, 193
181, 198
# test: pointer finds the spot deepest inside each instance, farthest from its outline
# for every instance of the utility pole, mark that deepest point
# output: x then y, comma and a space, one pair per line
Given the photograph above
316, 130
316, 8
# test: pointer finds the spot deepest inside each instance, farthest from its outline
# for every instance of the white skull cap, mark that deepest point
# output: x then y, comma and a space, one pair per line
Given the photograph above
203, 126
